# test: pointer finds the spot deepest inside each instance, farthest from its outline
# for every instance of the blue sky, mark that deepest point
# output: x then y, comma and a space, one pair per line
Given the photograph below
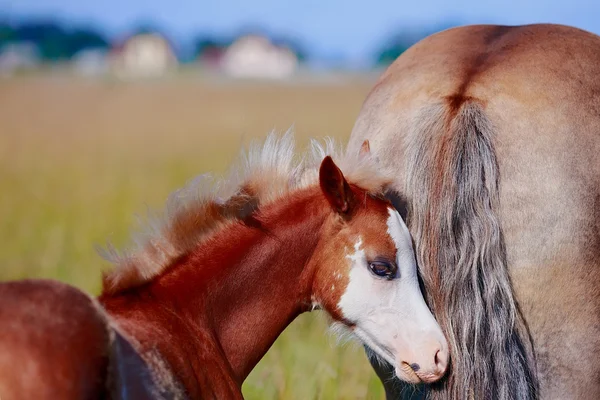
353, 29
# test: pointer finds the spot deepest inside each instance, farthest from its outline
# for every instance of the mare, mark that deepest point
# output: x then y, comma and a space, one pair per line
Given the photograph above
493, 135
190, 310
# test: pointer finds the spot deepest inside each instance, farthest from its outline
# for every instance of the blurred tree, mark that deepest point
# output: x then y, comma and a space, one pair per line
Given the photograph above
205, 44
54, 41
145, 28
397, 45
7, 33
49, 36
389, 53
401, 41
85, 38
294, 46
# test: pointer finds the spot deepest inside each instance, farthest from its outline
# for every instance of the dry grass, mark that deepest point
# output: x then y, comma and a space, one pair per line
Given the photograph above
79, 159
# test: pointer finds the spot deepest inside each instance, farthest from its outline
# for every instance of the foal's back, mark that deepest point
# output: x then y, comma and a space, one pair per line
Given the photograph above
53, 342
539, 88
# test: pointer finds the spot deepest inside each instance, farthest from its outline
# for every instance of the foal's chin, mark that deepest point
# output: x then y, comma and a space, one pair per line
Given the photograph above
406, 373
415, 369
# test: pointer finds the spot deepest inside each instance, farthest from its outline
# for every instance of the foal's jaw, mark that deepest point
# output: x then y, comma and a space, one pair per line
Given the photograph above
389, 314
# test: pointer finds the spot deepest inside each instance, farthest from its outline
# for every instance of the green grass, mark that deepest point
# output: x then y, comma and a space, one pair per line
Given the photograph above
79, 159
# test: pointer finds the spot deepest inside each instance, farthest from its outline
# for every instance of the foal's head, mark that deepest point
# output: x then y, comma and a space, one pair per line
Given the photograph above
366, 279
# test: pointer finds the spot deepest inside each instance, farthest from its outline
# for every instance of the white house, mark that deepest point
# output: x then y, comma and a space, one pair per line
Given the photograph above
255, 56
143, 56
18, 56
91, 62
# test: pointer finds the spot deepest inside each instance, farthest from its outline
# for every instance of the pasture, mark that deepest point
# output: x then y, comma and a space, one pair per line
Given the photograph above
79, 159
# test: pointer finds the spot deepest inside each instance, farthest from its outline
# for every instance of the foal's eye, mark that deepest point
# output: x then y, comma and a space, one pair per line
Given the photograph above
383, 269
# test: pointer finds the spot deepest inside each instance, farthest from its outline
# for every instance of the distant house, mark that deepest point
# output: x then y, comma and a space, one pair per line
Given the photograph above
255, 56
144, 55
18, 56
91, 62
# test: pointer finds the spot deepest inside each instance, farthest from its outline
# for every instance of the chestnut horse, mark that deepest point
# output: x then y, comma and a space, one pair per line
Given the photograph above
192, 309
493, 134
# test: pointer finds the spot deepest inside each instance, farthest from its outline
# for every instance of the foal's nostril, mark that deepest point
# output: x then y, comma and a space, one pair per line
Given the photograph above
415, 367
440, 360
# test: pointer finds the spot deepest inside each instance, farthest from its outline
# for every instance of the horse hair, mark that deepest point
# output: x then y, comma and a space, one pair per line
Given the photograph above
267, 171
453, 180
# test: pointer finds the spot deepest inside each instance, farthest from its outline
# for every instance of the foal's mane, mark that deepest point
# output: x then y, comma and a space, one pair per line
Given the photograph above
265, 173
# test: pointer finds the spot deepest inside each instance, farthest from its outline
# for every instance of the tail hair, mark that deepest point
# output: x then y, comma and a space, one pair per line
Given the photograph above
453, 179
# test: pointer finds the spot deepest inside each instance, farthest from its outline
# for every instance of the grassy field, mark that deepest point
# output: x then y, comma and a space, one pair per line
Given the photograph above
79, 159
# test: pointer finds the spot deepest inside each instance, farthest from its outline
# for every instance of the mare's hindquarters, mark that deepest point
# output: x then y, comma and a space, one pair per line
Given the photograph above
538, 86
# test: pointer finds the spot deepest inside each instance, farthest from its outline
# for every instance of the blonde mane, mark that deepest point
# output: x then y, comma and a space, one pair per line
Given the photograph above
266, 172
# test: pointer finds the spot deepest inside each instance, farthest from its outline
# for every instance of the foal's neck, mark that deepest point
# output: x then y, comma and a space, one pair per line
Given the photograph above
227, 302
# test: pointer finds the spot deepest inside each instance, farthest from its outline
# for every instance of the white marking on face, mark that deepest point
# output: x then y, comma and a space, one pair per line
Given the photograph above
390, 316
400, 234
358, 253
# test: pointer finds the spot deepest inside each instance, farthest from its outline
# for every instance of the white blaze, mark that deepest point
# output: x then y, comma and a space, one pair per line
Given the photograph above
390, 316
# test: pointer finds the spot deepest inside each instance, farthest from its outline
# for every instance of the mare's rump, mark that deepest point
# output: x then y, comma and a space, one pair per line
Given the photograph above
53, 342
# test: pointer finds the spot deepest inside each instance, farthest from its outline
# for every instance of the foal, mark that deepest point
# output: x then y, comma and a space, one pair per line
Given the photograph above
193, 309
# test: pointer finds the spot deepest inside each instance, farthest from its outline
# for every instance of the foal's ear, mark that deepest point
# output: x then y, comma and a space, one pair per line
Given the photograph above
334, 186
